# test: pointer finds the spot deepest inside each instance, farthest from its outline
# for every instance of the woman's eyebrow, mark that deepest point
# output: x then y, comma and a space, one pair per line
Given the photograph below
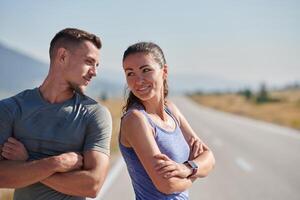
141, 67
131, 69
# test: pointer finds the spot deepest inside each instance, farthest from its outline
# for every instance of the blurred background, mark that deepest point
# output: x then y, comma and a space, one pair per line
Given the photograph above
216, 45
236, 56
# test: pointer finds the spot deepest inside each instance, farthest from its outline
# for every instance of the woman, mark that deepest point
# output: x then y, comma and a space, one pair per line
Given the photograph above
162, 152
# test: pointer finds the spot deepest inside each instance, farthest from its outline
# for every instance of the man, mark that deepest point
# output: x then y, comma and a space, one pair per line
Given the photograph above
65, 133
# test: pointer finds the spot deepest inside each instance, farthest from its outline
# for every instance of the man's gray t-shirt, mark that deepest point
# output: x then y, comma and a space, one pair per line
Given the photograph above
76, 125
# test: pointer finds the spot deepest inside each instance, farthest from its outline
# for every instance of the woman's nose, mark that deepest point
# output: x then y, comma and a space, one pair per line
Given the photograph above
140, 79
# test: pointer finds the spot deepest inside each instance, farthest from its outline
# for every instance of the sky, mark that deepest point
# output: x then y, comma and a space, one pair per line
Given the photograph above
206, 43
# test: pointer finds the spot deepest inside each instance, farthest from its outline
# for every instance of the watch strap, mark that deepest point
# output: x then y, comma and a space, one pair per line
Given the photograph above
193, 166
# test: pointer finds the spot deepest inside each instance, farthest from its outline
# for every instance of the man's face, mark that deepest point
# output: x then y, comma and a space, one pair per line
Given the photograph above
82, 66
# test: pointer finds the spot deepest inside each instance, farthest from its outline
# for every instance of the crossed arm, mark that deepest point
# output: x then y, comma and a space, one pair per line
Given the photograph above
167, 175
199, 151
136, 133
85, 182
65, 173
16, 173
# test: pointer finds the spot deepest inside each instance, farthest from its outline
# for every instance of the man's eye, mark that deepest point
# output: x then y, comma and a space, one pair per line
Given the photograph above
146, 70
89, 62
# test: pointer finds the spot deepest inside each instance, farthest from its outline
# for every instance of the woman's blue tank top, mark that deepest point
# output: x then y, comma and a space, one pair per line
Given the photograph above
172, 144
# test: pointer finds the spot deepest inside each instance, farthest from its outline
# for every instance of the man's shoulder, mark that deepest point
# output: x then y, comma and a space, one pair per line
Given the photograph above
13, 100
10, 106
86, 100
92, 105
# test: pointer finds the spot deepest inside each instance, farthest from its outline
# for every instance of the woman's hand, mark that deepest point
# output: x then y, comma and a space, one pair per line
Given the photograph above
169, 168
196, 148
14, 150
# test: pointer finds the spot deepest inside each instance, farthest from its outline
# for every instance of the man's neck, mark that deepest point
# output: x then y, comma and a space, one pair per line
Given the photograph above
55, 92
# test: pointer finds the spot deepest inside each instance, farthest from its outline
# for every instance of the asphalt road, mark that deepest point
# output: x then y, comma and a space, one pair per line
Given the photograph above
254, 159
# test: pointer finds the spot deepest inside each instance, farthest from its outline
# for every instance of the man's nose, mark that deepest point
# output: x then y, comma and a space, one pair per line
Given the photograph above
93, 71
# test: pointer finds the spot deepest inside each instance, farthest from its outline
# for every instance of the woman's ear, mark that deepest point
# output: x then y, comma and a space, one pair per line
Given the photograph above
165, 71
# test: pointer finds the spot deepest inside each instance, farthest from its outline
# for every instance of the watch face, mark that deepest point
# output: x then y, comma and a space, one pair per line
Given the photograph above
193, 164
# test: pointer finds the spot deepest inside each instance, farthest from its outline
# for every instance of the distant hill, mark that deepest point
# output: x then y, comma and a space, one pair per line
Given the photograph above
19, 71
188, 82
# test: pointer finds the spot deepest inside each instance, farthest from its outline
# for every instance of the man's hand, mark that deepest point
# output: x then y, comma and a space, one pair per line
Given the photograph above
68, 162
14, 150
85, 182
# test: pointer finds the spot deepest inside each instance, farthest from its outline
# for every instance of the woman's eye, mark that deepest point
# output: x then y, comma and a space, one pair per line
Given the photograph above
146, 70
129, 73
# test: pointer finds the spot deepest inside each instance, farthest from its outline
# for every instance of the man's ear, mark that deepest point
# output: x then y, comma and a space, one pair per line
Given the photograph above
62, 55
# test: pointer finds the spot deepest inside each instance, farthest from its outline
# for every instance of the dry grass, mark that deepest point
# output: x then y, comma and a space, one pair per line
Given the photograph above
286, 112
115, 107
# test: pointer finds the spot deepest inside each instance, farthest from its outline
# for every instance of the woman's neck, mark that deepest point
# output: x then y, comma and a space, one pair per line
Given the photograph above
156, 107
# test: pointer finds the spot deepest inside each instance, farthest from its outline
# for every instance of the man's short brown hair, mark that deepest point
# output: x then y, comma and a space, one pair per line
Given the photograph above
71, 36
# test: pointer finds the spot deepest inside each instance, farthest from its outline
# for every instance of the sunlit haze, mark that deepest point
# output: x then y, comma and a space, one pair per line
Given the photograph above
207, 44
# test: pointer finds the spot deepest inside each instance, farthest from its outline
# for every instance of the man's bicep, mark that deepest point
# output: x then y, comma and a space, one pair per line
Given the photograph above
96, 161
99, 130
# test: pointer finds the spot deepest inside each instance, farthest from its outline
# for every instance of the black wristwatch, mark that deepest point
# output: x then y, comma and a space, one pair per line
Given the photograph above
193, 166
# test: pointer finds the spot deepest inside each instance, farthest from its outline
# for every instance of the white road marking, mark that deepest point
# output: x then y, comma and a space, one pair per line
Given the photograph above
243, 164
112, 175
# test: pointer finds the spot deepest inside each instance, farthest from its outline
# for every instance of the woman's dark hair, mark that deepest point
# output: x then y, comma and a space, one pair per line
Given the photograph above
156, 52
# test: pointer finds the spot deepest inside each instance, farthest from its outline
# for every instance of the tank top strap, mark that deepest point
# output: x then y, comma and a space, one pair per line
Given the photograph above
171, 114
148, 118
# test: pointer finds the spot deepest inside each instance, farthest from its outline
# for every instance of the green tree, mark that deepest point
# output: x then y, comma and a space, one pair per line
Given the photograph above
262, 96
247, 93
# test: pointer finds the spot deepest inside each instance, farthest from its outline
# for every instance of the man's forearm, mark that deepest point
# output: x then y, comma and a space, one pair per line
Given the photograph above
86, 182
83, 183
16, 174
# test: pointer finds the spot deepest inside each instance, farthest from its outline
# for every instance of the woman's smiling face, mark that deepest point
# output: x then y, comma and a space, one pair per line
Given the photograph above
144, 75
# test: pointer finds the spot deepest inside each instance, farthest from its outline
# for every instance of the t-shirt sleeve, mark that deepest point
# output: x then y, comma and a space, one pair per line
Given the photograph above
99, 130
6, 120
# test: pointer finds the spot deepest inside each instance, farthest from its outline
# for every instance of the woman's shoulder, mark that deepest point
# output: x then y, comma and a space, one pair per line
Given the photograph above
133, 114
133, 118
134, 127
